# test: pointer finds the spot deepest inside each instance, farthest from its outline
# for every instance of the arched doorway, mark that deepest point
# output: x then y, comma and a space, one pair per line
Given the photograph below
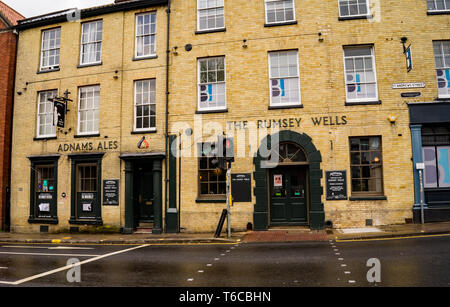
298, 162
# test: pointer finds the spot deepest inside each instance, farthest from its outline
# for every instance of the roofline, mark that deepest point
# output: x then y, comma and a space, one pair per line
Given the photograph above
88, 12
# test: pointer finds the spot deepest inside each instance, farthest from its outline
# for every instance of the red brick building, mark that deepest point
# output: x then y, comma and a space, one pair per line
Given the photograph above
8, 42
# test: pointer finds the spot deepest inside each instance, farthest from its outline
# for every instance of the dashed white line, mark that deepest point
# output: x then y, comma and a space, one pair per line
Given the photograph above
201, 271
352, 281
209, 264
190, 279
343, 265
347, 272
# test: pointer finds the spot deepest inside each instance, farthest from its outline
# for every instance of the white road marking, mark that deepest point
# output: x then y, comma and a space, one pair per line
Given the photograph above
3, 268
190, 279
209, 264
340, 259
201, 271
44, 254
343, 265
222, 254
21, 281
216, 259
351, 281
70, 247
46, 247
347, 272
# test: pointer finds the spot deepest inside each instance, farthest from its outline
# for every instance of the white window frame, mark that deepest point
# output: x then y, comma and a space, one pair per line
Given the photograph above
299, 103
38, 120
95, 42
445, 67
356, 100
447, 7
279, 22
43, 50
199, 84
151, 54
92, 109
149, 104
356, 15
209, 8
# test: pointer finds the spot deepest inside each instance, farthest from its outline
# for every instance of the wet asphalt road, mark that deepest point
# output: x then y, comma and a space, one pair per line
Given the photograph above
405, 262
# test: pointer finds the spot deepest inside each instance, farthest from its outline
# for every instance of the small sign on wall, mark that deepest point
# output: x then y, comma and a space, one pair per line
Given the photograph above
336, 185
111, 192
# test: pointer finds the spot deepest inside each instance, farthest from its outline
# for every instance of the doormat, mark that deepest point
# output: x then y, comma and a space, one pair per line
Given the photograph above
360, 230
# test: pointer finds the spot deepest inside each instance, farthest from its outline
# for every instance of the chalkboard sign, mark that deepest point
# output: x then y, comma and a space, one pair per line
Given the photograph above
336, 185
241, 187
111, 192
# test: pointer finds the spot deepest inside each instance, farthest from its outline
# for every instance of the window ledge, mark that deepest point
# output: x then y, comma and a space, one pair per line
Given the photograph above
210, 31
357, 198
211, 201
52, 221
144, 131
342, 18
47, 71
86, 136
359, 103
89, 65
45, 138
276, 24
211, 111
447, 12
300, 106
149, 57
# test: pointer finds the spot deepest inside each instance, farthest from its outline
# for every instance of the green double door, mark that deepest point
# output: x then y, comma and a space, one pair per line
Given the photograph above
288, 195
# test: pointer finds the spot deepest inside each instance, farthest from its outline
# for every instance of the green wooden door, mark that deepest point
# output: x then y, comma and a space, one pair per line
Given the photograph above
143, 194
288, 199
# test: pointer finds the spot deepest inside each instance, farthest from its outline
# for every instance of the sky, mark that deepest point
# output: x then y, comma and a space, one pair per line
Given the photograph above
31, 8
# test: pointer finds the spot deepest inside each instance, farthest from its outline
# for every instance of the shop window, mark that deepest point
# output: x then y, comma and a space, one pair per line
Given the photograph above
360, 74
50, 48
284, 78
145, 105
436, 156
145, 35
45, 115
366, 163
211, 84
91, 42
442, 58
210, 15
212, 179
279, 11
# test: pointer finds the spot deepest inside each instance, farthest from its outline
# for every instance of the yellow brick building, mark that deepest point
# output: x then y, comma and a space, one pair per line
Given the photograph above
310, 91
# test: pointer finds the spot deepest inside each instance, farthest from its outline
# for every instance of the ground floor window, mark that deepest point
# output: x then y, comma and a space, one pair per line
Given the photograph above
43, 193
436, 156
366, 165
212, 179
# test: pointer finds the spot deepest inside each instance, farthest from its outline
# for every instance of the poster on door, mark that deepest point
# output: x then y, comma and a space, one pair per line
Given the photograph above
277, 180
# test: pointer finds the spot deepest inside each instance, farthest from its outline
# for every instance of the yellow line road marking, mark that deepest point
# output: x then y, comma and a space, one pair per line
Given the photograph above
392, 238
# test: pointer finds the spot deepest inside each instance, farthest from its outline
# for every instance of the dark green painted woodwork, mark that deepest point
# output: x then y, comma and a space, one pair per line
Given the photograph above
172, 214
157, 197
129, 203
261, 207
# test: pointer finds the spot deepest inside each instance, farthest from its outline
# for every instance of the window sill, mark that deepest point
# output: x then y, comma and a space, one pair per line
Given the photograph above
276, 24
144, 131
210, 31
211, 111
89, 65
300, 106
342, 18
149, 57
358, 198
47, 71
51, 221
45, 138
438, 12
86, 136
210, 201
362, 103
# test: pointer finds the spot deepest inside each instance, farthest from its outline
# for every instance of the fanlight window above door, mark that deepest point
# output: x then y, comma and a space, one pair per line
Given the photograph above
289, 153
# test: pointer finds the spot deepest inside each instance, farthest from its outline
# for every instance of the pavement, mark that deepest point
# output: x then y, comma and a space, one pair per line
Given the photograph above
275, 234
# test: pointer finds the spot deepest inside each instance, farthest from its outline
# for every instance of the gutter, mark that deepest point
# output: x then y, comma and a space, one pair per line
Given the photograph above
166, 160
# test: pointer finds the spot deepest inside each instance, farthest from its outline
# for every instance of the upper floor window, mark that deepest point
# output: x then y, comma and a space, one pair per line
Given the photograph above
211, 84
360, 74
145, 35
45, 114
51, 40
210, 15
88, 109
91, 42
145, 105
284, 78
279, 11
442, 57
438, 5
353, 8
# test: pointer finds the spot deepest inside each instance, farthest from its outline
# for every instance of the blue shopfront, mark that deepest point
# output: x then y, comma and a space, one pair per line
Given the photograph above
430, 131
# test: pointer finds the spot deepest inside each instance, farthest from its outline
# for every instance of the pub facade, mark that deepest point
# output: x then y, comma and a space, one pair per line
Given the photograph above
315, 97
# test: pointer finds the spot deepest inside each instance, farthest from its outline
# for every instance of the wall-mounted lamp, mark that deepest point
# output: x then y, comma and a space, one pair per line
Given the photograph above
245, 43
392, 118
320, 37
19, 93
174, 51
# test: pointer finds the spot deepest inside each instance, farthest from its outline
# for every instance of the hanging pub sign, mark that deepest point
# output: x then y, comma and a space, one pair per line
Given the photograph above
59, 114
